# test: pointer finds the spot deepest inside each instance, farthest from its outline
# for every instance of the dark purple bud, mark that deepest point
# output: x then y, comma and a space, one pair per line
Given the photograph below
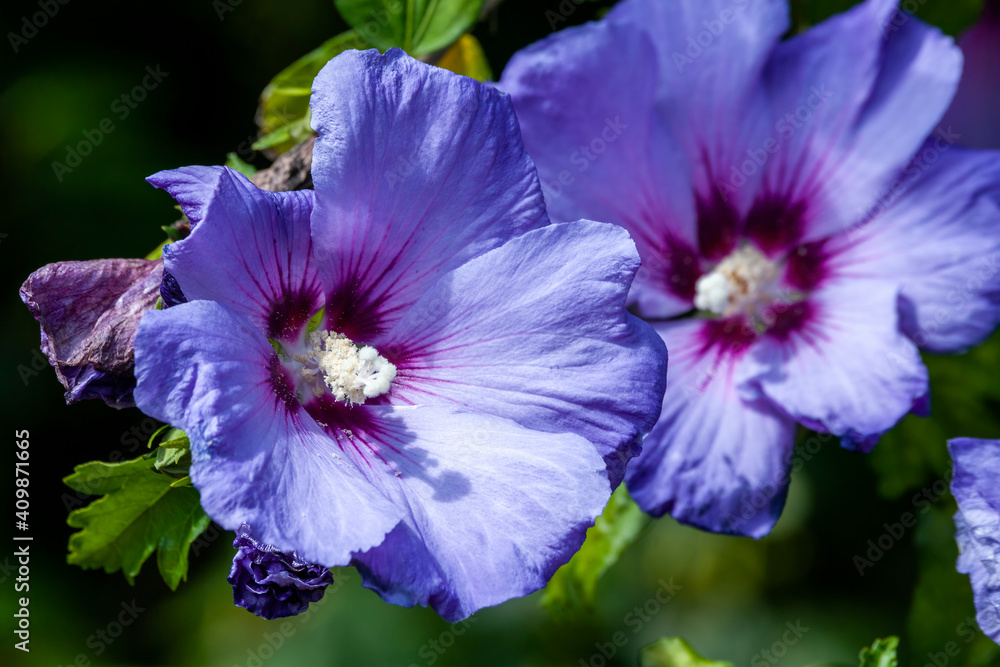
273, 584
88, 313
170, 291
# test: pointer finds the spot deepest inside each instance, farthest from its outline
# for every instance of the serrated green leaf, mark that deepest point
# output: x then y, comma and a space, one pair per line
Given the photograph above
283, 113
98, 478
573, 587
170, 437
675, 652
466, 57
882, 653
141, 512
416, 26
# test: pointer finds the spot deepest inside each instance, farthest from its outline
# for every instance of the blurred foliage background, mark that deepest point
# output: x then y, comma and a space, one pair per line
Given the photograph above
737, 597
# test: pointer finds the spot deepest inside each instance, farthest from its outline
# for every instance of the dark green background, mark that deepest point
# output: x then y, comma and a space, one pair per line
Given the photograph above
737, 594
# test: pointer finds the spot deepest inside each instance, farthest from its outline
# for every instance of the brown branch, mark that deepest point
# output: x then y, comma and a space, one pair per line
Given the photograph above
289, 171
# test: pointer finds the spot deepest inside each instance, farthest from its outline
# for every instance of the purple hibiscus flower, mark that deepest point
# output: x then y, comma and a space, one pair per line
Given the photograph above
974, 485
805, 225
450, 423
273, 584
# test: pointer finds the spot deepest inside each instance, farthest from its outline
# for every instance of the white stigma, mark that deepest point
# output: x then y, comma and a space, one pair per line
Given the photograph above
352, 374
740, 283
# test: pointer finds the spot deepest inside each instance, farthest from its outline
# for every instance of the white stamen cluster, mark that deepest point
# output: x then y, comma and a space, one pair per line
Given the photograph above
352, 373
742, 282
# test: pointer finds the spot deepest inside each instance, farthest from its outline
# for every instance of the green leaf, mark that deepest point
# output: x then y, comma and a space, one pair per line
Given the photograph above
140, 512
234, 161
952, 16
416, 26
466, 57
283, 113
98, 478
675, 652
174, 461
157, 252
880, 654
172, 438
574, 585
172, 232
315, 321
286, 136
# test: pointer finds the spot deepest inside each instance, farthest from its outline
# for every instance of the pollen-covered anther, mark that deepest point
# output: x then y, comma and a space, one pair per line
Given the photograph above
352, 374
742, 282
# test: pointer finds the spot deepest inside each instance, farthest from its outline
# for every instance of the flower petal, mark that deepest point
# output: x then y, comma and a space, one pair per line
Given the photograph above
88, 313
494, 508
975, 111
855, 97
711, 57
616, 162
838, 362
249, 248
536, 332
417, 170
974, 485
257, 457
714, 460
938, 238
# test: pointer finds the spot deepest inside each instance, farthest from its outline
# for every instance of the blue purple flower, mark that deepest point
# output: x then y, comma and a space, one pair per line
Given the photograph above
805, 225
974, 485
273, 584
471, 380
